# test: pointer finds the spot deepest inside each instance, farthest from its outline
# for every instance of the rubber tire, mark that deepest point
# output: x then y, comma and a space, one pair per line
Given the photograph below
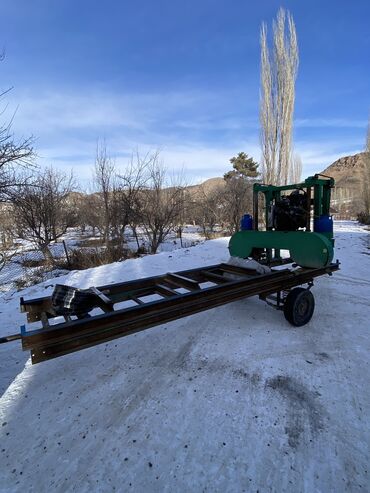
299, 306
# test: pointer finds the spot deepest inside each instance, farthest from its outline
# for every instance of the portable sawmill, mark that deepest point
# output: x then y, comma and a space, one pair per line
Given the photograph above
294, 246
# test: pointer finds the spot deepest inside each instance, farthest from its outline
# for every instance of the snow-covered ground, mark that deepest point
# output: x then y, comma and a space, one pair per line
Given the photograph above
232, 399
16, 271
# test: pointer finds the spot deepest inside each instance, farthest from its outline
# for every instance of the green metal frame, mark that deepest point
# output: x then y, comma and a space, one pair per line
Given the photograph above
321, 188
307, 248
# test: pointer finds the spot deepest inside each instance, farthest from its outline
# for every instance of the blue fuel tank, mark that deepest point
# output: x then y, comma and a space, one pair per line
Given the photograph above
246, 223
323, 224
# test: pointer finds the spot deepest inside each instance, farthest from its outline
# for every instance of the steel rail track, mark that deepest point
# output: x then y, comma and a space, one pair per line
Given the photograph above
56, 340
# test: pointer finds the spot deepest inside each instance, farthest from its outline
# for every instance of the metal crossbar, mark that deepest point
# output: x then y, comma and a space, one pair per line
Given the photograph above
73, 335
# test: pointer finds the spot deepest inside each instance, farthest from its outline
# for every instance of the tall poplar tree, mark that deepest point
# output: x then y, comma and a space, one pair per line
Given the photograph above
279, 65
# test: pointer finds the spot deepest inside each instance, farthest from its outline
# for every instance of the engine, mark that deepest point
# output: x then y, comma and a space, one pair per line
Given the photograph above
291, 211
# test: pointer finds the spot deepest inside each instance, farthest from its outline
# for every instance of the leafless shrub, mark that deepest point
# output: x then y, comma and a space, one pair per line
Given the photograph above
32, 276
363, 218
33, 262
85, 258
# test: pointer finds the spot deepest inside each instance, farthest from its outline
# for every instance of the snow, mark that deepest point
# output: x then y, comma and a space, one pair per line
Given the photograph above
232, 399
16, 272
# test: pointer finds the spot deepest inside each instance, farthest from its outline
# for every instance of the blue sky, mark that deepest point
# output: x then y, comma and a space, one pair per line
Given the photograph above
182, 76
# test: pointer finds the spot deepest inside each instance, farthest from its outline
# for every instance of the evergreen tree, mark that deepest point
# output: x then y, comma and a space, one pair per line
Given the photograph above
243, 167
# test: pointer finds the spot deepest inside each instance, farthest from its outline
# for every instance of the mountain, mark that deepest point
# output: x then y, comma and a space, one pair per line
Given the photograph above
347, 195
347, 171
208, 186
346, 198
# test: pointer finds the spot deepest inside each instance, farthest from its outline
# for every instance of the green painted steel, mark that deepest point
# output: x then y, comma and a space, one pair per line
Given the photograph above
307, 249
321, 196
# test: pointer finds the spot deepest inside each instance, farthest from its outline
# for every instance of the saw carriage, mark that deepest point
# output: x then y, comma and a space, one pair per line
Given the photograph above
294, 246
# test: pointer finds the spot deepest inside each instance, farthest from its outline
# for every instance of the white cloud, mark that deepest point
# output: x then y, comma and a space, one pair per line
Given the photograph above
329, 123
67, 127
191, 128
204, 162
99, 110
316, 157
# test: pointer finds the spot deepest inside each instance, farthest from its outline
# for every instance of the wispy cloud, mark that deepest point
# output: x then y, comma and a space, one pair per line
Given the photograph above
138, 111
318, 156
329, 122
228, 123
67, 127
195, 130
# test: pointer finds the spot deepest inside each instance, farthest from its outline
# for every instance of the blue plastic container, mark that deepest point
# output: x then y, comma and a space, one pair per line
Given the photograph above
323, 224
246, 222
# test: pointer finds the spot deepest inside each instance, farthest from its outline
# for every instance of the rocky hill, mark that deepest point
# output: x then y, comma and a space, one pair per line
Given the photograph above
347, 171
207, 186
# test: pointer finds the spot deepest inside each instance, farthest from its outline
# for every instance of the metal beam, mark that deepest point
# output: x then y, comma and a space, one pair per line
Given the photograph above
79, 334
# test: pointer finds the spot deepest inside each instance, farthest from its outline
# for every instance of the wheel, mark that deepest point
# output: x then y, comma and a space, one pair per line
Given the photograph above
299, 306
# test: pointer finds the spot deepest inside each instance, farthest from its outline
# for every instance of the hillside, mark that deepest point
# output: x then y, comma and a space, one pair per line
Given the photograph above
208, 185
347, 171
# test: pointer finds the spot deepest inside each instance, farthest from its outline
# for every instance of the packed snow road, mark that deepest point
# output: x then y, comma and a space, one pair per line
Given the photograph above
232, 399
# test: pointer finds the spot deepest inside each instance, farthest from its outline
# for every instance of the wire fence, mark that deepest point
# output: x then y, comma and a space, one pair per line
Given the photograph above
21, 267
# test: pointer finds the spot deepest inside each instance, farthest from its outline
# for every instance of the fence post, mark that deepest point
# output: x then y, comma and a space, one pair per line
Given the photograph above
66, 251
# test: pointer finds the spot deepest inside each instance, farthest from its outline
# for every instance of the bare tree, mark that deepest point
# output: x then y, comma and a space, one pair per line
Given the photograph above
183, 215
41, 208
132, 182
104, 180
78, 214
160, 204
6, 225
278, 75
207, 209
118, 192
237, 200
15, 154
238, 190
295, 172
89, 212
